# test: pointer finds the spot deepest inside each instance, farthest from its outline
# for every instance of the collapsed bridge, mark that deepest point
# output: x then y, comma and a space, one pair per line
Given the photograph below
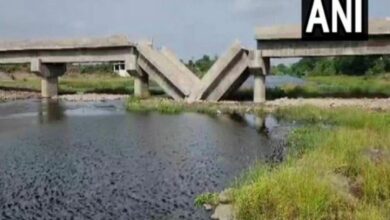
48, 59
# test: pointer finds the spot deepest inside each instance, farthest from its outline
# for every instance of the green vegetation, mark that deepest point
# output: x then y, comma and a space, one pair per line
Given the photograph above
207, 198
167, 106
338, 167
71, 85
353, 65
12, 68
336, 86
162, 105
202, 65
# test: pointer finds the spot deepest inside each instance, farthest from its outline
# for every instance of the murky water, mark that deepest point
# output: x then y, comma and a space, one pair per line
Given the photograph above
96, 161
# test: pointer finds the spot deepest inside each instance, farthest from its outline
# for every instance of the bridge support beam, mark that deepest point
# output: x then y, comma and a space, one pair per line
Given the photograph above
49, 73
260, 68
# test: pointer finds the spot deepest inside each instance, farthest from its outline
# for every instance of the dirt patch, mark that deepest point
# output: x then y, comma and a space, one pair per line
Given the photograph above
5, 76
378, 156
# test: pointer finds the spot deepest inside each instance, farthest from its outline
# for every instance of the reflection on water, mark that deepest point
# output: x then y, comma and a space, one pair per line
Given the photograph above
96, 161
50, 111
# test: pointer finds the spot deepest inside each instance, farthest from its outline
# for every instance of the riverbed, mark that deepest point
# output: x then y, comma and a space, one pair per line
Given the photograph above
95, 160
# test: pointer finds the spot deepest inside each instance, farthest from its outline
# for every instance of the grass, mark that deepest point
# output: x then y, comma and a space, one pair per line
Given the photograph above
337, 87
167, 106
79, 84
163, 106
338, 167
207, 198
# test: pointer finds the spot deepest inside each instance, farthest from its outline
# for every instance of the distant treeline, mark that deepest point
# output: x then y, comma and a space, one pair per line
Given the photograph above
202, 65
353, 65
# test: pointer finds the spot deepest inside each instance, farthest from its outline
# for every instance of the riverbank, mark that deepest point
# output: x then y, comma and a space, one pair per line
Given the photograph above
337, 167
337, 86
169, 106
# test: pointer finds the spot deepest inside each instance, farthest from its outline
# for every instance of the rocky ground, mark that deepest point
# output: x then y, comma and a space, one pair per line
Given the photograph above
6, 95
92, 97
371, 104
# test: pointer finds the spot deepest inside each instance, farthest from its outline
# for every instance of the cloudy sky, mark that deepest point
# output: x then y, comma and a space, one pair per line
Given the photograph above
189, 27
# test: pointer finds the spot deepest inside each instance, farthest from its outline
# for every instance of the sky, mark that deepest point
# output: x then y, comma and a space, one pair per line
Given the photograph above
189, 27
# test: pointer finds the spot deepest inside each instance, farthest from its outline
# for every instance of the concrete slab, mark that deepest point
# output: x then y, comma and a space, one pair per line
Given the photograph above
86, 43
167, 72
286, 32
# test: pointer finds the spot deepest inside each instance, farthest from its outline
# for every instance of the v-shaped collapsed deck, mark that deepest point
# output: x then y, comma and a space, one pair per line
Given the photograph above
228, 73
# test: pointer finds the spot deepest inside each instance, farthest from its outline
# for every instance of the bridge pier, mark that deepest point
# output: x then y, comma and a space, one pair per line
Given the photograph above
141, 79
49, 73
259, 67
49, 87
141, 86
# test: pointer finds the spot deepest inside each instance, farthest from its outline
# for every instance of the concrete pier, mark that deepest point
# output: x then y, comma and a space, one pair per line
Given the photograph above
141, 86
259, 89
259, 67
49, 87
49, 73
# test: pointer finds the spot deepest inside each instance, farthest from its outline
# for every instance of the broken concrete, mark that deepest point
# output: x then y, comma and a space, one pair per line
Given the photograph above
228, 72
166, 71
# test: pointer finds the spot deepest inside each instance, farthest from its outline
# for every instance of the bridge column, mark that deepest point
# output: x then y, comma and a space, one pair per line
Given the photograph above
141, 79
141, 86
49, 73
259, 67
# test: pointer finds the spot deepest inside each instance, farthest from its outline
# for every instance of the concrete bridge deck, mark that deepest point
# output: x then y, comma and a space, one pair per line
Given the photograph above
285, 41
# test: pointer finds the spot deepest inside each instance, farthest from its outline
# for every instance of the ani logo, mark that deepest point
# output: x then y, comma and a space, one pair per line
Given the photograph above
334, 20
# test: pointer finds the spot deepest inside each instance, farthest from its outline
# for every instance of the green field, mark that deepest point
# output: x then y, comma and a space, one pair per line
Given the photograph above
338, 167
337, 86
79, 84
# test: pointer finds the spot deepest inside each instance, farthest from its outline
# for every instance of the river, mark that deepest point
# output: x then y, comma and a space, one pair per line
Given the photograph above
94, 160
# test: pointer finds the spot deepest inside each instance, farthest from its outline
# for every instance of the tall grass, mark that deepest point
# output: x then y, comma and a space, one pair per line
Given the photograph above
70, 85
338, 167
337, 87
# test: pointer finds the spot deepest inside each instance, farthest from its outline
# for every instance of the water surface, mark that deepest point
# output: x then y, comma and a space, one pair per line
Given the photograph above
97, 161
